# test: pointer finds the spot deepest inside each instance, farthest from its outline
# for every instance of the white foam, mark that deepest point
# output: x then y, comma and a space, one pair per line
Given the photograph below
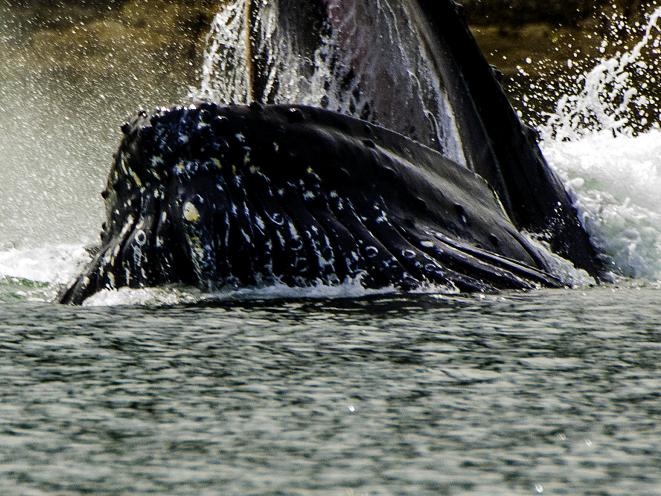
561, 268
609, 155
179, 296
616, 182
55, 264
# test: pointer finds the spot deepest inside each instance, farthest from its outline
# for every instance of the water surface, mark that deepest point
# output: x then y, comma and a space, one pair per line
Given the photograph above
553, 392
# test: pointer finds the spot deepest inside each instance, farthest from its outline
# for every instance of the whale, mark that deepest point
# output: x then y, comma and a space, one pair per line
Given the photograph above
219, 196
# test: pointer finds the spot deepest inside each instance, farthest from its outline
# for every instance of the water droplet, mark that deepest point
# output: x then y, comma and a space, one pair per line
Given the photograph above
371, 251
408, 254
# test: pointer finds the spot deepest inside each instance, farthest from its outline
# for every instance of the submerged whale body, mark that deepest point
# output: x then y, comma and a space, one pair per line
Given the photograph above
218, 196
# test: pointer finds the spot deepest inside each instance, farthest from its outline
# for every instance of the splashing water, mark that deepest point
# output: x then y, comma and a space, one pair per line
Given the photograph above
601, 142
227, 53
602, 138
340, 66
613, 97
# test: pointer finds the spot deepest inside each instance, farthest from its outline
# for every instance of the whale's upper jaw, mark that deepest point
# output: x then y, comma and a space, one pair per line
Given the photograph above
213, 196
485, 130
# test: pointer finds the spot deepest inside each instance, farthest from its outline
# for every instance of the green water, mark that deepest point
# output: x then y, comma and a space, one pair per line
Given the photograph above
551, 392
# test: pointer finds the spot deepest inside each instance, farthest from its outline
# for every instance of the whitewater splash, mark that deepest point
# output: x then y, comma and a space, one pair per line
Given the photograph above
593, 139
602, 142
616, 95
361, 55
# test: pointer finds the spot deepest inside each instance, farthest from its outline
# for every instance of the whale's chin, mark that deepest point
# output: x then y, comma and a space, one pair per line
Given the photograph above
213, 196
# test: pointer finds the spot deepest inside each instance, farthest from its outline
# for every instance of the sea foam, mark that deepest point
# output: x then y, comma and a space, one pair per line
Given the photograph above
609, 155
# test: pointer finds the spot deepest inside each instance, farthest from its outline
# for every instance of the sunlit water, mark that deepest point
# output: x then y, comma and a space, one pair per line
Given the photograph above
337, 391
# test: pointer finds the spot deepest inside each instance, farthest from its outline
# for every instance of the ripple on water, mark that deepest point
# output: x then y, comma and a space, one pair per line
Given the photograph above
380, 395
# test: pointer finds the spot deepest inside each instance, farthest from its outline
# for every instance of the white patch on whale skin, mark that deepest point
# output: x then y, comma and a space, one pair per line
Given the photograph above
191, 213
312, 173
157, 160
247, 158
382, 218
260, 223
227, 229
293, 231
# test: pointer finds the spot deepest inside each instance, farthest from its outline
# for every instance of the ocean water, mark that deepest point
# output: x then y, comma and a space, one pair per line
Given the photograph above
551, 392
335, 391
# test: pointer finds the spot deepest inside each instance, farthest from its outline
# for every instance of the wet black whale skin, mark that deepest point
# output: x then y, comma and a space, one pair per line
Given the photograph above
213, 196
496, 144
216, 196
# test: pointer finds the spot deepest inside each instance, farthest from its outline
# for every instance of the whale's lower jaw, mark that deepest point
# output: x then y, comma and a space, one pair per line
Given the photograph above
214, 196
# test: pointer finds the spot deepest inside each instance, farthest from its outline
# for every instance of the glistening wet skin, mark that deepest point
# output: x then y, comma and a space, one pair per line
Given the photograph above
220, 196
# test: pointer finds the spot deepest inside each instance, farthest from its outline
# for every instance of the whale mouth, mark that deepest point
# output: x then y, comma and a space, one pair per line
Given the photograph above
425, 78
377, 61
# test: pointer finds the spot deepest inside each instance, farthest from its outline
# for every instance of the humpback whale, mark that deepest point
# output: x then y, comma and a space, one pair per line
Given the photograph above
441, 191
